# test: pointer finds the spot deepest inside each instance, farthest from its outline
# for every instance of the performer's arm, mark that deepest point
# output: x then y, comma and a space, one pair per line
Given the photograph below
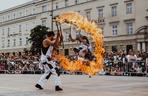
58, 39
48, 42
54, 42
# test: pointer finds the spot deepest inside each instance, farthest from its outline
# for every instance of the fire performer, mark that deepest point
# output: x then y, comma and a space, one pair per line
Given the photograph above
81, 23
84, 51
48, 61
85, 48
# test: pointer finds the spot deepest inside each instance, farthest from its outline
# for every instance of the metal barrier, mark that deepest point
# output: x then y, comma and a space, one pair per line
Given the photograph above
118, 68
18, 67
20, 72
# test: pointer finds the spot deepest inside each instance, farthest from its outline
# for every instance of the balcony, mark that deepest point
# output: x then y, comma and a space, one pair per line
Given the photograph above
15, 34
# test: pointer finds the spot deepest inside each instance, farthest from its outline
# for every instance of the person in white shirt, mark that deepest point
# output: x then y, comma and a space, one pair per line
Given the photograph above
85, 49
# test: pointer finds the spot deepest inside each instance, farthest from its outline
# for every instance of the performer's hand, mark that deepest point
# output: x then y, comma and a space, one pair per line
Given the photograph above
58, 34
70, 37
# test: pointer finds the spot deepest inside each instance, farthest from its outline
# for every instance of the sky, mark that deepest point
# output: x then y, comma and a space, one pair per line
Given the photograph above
5, 4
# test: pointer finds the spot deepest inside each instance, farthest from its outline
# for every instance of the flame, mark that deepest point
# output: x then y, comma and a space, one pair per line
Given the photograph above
80, 22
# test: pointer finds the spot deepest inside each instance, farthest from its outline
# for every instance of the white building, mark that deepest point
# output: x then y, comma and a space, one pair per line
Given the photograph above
124, 22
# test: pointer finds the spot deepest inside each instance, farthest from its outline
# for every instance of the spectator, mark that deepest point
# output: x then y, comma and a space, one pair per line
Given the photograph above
115, 63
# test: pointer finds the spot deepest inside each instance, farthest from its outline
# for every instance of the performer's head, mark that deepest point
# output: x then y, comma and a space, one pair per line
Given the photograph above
50, 35
83, 39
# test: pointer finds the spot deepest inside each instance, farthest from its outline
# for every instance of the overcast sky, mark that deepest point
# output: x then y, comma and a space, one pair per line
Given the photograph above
5, 4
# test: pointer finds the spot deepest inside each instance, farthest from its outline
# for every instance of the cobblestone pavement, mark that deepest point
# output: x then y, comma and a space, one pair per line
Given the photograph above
75, 85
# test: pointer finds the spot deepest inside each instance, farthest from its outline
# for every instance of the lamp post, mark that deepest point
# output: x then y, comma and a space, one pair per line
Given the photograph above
52, 15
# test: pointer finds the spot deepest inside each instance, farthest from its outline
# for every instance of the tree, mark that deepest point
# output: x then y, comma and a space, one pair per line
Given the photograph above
36, 37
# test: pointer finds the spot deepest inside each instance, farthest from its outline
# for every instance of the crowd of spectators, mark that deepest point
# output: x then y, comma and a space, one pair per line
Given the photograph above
132, 63
115, 63
19, 63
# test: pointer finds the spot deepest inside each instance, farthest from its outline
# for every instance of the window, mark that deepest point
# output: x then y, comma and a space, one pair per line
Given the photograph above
114, 29
14, 42
8, 17
89, 0
33, 10
44, 8
3, 18
56, 5
114, 11
129, 8
3, 43
43, 22
8, 44
66, 3
20, 41
88, 14
20, 28
3, 31
27, 41
114, 48
76, 1
0, 19
14, 28
20, 14
100, 12
33, 24
8, 32
67, 37
26, 12
130, 28
14, 16
26, 27
102, 27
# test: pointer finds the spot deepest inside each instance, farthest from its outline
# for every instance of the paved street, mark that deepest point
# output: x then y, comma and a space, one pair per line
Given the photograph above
23, 85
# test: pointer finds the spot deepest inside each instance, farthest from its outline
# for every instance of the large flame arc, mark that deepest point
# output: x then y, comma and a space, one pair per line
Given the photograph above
80, 22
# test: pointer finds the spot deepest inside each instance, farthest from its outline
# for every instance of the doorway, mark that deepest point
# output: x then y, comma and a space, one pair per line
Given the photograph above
129, 47
66, 51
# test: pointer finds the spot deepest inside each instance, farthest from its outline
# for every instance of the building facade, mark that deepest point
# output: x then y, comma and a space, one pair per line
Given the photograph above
124, 22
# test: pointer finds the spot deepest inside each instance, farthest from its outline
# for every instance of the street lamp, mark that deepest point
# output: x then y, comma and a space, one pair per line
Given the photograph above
52, 15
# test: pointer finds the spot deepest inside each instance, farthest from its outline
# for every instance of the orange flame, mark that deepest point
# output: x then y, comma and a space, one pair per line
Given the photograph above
82, 23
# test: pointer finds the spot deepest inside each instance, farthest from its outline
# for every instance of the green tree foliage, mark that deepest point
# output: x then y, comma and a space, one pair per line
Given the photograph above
36, 37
